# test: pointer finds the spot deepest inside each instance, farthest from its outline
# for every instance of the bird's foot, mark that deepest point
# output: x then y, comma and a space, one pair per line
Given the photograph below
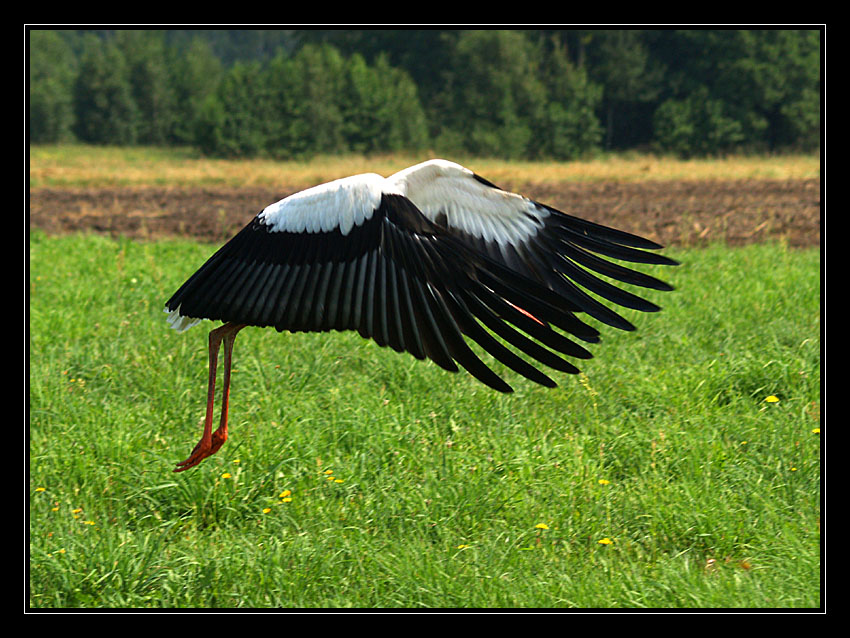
203, 449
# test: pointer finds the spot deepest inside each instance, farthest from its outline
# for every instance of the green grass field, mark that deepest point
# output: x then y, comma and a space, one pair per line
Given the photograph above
662, 477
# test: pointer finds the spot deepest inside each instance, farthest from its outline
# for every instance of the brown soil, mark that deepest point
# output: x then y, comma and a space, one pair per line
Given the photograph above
672, 213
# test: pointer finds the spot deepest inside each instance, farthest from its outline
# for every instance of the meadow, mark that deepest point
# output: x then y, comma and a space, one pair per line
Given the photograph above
681, 469
80, 166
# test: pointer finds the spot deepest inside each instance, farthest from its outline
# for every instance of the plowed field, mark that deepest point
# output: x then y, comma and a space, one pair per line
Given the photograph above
670, 212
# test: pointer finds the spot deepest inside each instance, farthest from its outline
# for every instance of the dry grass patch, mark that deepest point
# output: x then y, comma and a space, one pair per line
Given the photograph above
82, 166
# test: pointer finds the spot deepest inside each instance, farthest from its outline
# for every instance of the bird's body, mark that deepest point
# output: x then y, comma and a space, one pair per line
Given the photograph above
417, 261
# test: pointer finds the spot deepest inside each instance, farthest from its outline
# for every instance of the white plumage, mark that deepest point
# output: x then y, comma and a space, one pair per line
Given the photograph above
417, 261
435, 187
340, 204
472, 206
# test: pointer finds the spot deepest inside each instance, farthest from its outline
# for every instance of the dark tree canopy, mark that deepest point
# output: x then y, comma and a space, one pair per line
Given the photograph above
516, 94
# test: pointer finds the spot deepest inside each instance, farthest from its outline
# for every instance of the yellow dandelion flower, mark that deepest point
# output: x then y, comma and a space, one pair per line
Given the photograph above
339, 481
329, 471
77, 510
286, 500
541, 526
604, 482
772, 399
54, 509
40, 489
285, 493
226, 475
605, 541
816, 431
266, 510
462, 546
88, 522
236, 461
793, 469
61, 551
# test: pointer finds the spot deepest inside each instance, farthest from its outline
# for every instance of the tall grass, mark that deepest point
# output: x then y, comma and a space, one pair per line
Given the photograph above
359, 477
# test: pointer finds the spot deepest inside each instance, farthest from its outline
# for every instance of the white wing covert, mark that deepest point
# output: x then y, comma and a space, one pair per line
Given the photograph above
337, 205
454, 197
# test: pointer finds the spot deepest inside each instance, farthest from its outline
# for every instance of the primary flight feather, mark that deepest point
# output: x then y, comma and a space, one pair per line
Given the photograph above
417, 261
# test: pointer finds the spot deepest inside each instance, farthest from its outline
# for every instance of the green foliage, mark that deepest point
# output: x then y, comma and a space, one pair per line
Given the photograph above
383, 111
195, 76
782, 71
498, 94
314, 102
696, 125
319, 81
51, 76
758, 90
511, 94
103, 99
570, 128
150, 84
622, 63
234, 117
666, 446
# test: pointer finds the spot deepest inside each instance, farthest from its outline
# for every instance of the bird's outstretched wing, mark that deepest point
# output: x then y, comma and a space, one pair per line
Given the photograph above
418, 261
387, 271
537, 241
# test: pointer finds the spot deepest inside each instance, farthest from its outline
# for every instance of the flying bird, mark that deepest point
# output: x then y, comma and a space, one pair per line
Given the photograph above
417, 261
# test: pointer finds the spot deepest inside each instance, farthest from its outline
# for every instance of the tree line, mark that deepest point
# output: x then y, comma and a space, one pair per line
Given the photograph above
519, 94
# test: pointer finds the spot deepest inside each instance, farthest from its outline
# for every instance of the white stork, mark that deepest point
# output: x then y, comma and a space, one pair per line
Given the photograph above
416, 261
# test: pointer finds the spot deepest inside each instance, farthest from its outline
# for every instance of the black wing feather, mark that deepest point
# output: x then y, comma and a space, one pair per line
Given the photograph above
415, 286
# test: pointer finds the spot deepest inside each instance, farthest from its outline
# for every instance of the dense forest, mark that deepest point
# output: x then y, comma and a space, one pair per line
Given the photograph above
520, 94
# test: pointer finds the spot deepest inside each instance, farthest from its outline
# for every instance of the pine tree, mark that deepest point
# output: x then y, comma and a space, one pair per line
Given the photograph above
497, 92
150, 84
51, 77
194, 76
570, 128
103, 102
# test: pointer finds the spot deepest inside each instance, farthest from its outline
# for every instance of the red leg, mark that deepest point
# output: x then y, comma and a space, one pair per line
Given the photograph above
220, 435
211, 441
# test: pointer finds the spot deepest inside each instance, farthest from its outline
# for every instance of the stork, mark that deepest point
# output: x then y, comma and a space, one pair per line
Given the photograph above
416, 261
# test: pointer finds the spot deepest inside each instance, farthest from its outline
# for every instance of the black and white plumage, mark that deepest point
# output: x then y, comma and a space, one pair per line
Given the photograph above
418, 261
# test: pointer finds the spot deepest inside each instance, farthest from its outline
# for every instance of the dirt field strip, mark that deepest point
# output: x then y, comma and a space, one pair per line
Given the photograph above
153, 193
673, 212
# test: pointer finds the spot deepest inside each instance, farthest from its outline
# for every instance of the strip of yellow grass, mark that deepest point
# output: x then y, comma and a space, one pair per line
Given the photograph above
613, 168
84, 166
